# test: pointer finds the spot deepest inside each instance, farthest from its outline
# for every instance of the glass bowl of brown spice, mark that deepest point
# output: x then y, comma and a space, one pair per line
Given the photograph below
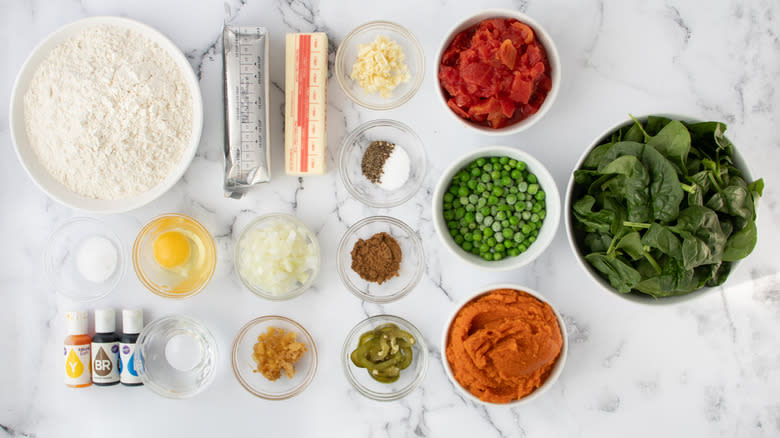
274, 357
380, 259
382, 163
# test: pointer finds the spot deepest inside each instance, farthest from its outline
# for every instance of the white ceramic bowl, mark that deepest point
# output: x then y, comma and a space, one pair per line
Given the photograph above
571, 231
549, 225
27, 156
552, 56
557, 368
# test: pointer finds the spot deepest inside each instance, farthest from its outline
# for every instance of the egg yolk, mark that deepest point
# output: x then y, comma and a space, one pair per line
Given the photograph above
171, 249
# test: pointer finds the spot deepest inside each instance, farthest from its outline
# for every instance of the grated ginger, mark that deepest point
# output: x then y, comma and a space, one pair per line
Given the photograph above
380, 66
276, 352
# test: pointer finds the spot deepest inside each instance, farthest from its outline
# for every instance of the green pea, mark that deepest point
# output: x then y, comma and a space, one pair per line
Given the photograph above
467, 246
448, 197
531, 178
533, 188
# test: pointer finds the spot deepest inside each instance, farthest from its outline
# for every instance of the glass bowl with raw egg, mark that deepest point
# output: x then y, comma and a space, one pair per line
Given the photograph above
174, 256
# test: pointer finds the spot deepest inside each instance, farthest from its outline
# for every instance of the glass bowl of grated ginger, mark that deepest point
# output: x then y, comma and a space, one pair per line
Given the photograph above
274, 357
380, 65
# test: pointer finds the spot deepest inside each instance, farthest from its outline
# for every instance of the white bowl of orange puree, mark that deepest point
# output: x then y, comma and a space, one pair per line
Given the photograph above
504, 345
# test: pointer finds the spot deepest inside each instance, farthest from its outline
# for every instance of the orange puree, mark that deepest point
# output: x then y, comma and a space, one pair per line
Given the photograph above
503, 345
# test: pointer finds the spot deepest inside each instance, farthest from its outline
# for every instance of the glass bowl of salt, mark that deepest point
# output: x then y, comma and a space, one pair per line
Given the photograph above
382, 163
84, 259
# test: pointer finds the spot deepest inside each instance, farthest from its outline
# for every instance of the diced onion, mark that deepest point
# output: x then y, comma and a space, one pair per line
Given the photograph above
277, 258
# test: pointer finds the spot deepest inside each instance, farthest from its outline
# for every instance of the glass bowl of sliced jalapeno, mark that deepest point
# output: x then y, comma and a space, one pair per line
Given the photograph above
385, 357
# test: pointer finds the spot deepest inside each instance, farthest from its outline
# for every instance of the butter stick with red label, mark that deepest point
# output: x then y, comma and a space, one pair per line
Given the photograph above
306, 77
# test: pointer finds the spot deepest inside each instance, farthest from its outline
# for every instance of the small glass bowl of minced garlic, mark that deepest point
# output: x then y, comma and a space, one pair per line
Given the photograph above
382, 163
374, 85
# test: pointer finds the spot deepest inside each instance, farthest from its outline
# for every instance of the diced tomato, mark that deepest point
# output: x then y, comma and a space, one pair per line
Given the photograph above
457, 109
507, 54
521, 88
525, 33
495, 73
477, 74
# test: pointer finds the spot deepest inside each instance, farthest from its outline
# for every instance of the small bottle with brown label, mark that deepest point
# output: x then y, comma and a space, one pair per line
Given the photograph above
77, 350
105, 349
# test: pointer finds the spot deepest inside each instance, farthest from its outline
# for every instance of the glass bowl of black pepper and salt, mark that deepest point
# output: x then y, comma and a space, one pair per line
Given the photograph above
382, 163
380, 259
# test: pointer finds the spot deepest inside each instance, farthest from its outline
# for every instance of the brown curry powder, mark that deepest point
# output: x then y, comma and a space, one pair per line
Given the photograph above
377, 259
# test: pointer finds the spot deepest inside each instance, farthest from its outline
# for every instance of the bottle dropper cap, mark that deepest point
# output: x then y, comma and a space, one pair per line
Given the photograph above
132, 321
105, 321
77, 323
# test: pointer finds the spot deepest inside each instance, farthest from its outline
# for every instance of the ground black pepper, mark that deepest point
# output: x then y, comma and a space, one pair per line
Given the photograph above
374, 159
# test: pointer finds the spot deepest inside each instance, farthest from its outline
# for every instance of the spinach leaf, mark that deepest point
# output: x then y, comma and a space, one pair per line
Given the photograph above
596, 156
631, 244
597, 242
619, 273
593, 221
632, 184
757, 188
673, 142
703, 238
620, 149
655, 124
666, 193
674, 279
634, 133
660, 238
741, 243
718, 274
734, 200
709, 138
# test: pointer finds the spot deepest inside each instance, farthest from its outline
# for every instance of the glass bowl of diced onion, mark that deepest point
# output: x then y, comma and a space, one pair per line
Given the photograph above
383, 53
277, 256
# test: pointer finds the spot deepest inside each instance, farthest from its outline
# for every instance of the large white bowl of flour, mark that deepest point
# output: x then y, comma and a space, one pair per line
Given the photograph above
106, 134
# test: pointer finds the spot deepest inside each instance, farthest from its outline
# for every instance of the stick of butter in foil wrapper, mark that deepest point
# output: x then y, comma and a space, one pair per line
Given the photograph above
247, 136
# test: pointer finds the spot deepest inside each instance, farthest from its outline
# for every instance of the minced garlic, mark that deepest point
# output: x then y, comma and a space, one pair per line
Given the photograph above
380, 66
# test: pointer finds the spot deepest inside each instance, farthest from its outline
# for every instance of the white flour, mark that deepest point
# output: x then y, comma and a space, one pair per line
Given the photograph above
108, 113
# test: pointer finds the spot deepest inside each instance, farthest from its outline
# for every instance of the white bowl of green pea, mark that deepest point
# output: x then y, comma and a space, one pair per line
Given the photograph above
497, 208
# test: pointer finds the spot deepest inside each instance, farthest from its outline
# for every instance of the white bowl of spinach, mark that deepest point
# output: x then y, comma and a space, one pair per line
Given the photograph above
661, 208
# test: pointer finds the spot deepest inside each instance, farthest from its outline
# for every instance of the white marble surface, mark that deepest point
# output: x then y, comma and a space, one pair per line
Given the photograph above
703, 368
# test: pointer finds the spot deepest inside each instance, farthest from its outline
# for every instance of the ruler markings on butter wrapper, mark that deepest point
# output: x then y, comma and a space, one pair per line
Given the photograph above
305, 114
